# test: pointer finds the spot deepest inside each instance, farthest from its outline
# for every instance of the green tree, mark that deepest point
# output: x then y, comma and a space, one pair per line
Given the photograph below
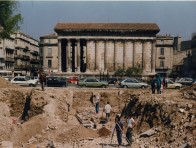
133, 72
9, 20
120, 72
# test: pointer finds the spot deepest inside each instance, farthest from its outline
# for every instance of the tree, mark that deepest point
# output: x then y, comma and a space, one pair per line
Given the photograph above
133, 71
9, 20
120, 72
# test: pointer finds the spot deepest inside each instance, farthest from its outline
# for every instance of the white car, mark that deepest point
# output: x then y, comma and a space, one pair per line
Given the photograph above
24, 81
132, 83
184, 81
171, 84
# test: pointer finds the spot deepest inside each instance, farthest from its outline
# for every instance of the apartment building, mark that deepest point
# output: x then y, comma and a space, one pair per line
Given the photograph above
164, 54
49, 53
26, 56
7, 55
188, 68
19, 55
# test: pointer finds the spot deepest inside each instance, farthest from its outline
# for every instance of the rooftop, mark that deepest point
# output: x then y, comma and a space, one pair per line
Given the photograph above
107, 26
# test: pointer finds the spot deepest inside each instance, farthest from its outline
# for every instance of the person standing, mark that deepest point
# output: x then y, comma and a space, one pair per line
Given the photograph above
42, 79
119, 129
27, 107
158, 82
97, 100
108, 110
153, 85
129, 133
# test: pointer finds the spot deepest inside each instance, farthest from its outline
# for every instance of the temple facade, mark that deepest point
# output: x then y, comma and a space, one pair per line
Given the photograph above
91, 48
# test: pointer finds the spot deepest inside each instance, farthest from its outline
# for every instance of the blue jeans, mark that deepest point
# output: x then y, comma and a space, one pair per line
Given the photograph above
97, 107
119, 137
129, 135
107, 116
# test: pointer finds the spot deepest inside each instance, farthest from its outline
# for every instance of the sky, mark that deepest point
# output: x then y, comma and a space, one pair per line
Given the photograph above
177, 18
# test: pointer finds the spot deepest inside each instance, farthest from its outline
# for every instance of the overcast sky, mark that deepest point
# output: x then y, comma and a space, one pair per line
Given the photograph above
175, 18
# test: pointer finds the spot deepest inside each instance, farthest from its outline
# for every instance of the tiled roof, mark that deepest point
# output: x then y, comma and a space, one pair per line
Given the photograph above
107, 26
49, 36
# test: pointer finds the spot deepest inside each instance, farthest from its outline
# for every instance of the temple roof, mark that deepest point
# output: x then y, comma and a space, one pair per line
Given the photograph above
107, 26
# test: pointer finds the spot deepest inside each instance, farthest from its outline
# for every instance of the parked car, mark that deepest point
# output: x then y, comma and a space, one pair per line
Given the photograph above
132, 83
35, 78
9, 78
171, 84
55, 82
73, 80
92, 82
112, 81
194, 82
23, 81
185, 81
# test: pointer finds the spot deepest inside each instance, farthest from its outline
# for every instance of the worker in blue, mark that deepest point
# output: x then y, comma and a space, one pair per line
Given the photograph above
158, 82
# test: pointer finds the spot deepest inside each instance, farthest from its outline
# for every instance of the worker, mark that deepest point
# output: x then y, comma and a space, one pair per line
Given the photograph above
129, 133
42, 79
108, 110
119, 129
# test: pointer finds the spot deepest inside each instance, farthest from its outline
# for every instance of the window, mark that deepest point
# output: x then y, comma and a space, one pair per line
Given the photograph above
50, 51
161, 63
162, 51
49, 63
41, 50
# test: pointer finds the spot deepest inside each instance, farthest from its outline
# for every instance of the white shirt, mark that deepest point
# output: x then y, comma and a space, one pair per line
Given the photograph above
97, 99
130, 122
108, 108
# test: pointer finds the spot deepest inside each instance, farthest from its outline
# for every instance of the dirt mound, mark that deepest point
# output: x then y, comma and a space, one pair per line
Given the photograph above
192, 87
78, 133
6, 84
103, 132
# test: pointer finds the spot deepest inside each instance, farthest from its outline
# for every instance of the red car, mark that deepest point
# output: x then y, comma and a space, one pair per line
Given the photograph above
73, 80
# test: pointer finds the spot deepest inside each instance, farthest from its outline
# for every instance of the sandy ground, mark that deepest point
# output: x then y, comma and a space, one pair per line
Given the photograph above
53, 118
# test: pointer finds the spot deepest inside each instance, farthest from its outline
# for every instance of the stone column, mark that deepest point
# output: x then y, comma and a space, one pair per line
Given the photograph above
153, 57
59, 56
144, 61
115, 50
78, 55
124, 58
96, 58
68, 55
87, 57
133, 54
105, 57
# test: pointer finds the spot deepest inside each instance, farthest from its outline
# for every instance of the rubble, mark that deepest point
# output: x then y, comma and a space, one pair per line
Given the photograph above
166, 120
147, 133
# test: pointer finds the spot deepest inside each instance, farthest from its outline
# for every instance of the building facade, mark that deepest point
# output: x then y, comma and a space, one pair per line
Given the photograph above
49, 53
27, 58
164, 54
92, 48
7, 49
19, 54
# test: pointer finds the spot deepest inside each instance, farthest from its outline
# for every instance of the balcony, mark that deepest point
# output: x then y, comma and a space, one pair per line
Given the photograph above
9, 59
34, 61
9, 48
161, 57
24, 57
26, 48
2, 64
1, 54
17, 56
49, 56
35, 53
